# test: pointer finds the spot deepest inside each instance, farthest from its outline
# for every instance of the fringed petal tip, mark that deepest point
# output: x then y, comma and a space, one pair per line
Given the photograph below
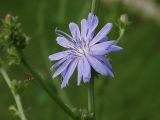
58, 56
50, 58
115, 48
63, 85
111, 75
84, 81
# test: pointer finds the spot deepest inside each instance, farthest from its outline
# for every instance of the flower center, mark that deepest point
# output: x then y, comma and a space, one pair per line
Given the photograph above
83, 50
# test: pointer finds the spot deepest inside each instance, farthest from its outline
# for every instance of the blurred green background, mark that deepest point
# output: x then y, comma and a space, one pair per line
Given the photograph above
133, 95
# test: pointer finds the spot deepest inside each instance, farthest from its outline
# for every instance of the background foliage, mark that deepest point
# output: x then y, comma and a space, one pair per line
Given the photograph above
133, 95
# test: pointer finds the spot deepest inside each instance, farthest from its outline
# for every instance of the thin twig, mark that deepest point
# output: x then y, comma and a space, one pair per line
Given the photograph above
15, 95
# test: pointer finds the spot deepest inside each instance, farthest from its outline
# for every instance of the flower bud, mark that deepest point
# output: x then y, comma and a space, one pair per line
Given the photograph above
124, 19
8, 19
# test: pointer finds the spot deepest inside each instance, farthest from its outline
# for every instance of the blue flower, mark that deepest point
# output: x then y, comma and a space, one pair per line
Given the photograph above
85, 50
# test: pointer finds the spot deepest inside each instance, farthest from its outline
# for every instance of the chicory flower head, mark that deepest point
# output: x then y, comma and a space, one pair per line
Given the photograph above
85, 50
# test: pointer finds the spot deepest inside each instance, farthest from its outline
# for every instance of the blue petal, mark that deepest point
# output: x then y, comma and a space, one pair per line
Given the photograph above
86, 70
80, 71
64, 73
102, 45
101, 34
58, 56
105, 61
61, 68
84, 28
101, 48
92, 23
98, 52
108, 65
104, 39
64, 42
114, 48
58, 63
104, 48
74, 31
69, 73
99, 66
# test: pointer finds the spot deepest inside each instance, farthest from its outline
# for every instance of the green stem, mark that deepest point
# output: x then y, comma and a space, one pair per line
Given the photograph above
93, 6
41, 12
47, 89
122, 31
15, 95
61, 11
91, 102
